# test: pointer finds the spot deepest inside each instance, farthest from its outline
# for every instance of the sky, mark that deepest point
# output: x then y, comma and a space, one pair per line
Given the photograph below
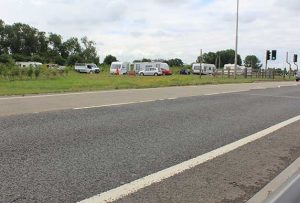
164, 29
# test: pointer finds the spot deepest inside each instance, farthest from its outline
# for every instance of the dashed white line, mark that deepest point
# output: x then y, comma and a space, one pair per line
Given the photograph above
117, 104
130, 188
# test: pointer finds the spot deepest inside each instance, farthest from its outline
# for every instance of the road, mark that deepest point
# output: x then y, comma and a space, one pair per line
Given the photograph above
69, 153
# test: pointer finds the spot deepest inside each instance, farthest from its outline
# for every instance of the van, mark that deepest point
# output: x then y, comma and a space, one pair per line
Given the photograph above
122, 67
206, 69
87, 68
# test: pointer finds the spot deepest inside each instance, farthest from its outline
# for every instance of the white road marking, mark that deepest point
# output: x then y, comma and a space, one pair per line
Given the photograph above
127, 189
117, 104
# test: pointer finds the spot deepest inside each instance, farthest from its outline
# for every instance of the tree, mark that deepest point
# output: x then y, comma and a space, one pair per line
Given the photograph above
109, 59
89, 53
209, 58
252, 61
175, 62
225, 56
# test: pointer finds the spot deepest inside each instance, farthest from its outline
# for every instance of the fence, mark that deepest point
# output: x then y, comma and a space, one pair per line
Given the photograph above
260, 73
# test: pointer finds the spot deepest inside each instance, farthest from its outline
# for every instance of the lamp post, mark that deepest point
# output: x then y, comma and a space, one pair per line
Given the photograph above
236, 40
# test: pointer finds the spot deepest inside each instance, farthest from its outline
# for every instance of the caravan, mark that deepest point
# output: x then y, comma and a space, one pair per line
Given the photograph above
141, 66
28, 64
122, 67
206, 69
230, 68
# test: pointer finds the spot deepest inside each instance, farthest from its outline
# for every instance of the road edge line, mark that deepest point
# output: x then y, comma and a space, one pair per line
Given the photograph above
134, 186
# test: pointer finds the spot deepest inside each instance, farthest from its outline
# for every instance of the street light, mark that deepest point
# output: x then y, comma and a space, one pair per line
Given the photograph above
236, 40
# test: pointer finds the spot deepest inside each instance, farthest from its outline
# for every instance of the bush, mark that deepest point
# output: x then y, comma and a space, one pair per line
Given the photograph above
30, 72
5, 58
37, 72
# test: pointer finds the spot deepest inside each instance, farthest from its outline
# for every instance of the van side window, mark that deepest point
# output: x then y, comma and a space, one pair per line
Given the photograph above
157, 65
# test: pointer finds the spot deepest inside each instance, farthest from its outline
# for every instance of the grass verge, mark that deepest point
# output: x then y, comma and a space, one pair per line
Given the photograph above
75, 82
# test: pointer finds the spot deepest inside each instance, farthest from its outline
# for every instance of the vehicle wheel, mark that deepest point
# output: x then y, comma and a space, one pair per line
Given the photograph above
155, 74
141, 74
297, 80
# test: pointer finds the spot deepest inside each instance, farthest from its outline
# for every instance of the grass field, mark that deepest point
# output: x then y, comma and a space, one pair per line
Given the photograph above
85, 82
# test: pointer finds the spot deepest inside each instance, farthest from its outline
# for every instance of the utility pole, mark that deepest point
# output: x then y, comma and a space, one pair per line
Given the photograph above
200, 63
290, 65
236, 40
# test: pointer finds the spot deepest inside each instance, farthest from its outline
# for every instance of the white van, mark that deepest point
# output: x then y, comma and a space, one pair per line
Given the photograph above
87, 68
123, 68
207, 69
28, 64
141, 66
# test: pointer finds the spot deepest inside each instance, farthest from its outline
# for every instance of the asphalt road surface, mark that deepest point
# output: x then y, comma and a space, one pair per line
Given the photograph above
70, 155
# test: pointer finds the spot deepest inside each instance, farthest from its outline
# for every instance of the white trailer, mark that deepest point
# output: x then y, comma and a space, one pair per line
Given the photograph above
122, 67
28, 64
206, 69
230, 68
141, 66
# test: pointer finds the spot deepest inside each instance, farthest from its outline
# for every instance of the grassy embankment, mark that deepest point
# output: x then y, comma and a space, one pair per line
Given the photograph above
73, 82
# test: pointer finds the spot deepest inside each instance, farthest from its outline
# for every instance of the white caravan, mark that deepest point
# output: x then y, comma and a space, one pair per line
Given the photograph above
239, 71
122, 67
141, 66
87, 68
207, 69
28, 64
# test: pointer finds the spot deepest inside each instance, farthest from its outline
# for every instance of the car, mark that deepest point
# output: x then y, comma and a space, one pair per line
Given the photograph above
185, 72
166, 72
151, 71
298, 76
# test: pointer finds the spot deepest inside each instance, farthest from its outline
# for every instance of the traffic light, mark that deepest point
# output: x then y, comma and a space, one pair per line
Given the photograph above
295, 58
268, 55
274, 55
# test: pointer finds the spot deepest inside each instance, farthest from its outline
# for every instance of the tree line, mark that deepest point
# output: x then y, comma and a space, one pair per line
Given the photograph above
21, 42
220, 58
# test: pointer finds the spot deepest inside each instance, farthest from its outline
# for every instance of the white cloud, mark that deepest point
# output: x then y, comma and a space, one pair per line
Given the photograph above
132, 29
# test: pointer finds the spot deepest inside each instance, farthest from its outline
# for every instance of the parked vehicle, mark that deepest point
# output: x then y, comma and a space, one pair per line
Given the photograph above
154, 71
185, 72
231, 69
122, 67
140, 66
298, 76
28, 64
87, 68
206, 69
166, 72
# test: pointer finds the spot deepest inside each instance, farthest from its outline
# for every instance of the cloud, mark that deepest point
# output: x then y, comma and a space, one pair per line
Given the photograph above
132, 29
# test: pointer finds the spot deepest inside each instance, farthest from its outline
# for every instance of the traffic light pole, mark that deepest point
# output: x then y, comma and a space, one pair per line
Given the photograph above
296, 66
